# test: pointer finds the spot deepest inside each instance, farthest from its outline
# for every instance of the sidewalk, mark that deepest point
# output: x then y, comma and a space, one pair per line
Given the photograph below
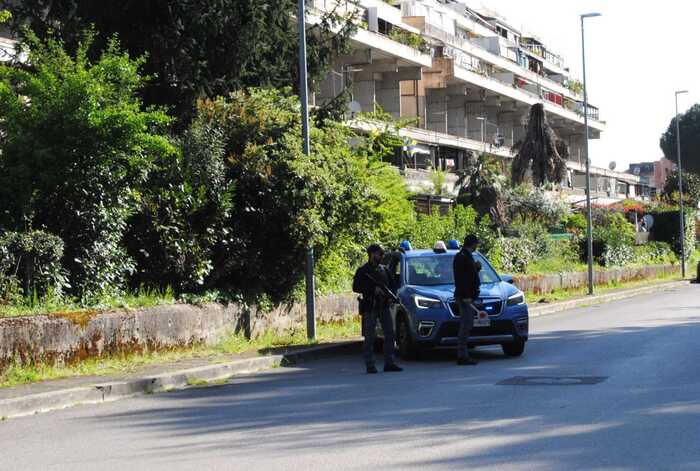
543, 309
33, 398
57, 394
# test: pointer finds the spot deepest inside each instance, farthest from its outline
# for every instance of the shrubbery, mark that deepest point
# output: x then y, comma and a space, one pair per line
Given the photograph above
529, 203
76, 149
458, 222
667, 227
30, 266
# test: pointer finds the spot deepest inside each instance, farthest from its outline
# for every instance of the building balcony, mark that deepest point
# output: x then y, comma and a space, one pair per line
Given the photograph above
383, 46
506, 85
479, 52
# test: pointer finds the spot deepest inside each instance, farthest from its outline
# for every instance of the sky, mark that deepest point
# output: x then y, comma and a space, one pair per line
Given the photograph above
637, 55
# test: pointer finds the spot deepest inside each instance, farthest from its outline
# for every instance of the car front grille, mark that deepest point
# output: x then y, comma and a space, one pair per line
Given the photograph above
493, 306
451, 329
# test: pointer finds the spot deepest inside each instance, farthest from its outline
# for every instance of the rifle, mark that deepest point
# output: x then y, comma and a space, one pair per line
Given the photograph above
384, 288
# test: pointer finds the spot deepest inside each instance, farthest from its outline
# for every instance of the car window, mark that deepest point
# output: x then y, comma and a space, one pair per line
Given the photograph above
433, 270
487, 274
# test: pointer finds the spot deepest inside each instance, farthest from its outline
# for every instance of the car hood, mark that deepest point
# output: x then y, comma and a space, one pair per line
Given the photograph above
445, 292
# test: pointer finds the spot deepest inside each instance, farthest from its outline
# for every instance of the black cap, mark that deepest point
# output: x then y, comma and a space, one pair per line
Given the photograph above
374, 248
470, 240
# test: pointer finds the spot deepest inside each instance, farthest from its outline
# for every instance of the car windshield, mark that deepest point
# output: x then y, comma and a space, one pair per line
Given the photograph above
433, 270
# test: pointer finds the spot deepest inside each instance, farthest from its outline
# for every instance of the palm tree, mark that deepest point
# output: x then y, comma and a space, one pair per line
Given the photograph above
482, 187
541, 151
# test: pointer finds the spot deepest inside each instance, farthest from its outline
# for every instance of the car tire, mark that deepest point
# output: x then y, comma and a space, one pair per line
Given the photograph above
513, 349
407, 349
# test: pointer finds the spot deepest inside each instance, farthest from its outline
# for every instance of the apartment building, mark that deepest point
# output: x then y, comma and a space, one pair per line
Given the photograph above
467, 77
654, 174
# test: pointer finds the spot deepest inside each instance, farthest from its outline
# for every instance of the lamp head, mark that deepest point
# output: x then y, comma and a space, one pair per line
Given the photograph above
680, 92
590, 15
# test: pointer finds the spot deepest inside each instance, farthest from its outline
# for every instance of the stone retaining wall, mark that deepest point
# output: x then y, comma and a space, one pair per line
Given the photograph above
544, 284
64, 338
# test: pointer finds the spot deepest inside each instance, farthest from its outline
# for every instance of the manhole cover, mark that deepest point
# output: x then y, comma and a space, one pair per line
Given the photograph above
552, 380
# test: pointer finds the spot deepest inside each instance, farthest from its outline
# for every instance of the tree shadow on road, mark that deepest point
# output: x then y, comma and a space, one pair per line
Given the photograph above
460, 417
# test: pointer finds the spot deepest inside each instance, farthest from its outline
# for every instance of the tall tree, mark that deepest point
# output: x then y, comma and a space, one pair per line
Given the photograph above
195, 48
690, 140
539, 151
691, 189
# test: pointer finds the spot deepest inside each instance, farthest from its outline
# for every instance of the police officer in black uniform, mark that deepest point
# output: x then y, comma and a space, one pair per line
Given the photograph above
467, 282
372, 280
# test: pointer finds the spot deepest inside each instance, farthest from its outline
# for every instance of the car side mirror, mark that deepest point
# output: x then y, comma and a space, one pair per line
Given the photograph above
507, 278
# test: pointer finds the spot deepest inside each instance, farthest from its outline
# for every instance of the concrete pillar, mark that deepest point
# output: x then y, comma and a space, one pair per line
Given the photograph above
330, 87
388, 95
436, 109
388, 92
364, 90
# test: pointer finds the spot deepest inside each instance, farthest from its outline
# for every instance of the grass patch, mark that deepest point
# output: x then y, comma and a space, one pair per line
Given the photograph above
231, 344
197, 382
143, 298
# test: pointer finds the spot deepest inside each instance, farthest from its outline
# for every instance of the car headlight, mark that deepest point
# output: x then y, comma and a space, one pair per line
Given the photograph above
517, 298
426, 303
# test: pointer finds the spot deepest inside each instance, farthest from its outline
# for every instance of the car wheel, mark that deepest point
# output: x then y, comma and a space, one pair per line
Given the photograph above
514, 349
407, 349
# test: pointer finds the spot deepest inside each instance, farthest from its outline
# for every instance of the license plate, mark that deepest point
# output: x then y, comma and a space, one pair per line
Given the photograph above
481, 319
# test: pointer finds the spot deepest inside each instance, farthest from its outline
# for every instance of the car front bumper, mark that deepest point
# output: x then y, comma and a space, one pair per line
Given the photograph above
500, 331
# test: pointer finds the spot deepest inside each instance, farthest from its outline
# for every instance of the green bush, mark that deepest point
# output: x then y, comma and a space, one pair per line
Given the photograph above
563, 256
534, 231
513, 254
76, 149
30, 264
456, 224
613, 239
575, 223
667, 227
530, 203
655, 253
617, 254
182, 215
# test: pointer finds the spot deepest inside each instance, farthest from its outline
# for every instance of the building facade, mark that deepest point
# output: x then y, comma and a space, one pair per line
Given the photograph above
654, 173
467, 79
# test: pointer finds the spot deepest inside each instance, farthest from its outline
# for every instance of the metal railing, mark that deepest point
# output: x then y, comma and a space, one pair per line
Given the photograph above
542, 52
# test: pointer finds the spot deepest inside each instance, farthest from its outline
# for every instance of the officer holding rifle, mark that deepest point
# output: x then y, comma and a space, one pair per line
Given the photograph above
372, 281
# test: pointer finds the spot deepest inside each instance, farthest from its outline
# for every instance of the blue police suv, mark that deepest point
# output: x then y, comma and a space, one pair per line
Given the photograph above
427, 315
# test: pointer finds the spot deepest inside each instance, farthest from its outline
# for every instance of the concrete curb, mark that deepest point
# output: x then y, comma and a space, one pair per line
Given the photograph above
113, 391
554, 308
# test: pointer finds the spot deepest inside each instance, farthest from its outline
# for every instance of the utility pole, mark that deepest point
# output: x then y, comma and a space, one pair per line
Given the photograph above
589, 230
304, 92
680, 184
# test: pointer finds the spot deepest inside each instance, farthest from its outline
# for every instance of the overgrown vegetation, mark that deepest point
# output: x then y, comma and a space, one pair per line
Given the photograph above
77, 147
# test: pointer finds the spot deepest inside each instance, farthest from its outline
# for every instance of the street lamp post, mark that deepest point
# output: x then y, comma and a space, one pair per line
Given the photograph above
483, 121
680, 184
303, 92
588, 158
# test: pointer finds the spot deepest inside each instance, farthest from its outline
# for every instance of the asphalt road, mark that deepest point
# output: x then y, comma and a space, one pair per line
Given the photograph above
645, 414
